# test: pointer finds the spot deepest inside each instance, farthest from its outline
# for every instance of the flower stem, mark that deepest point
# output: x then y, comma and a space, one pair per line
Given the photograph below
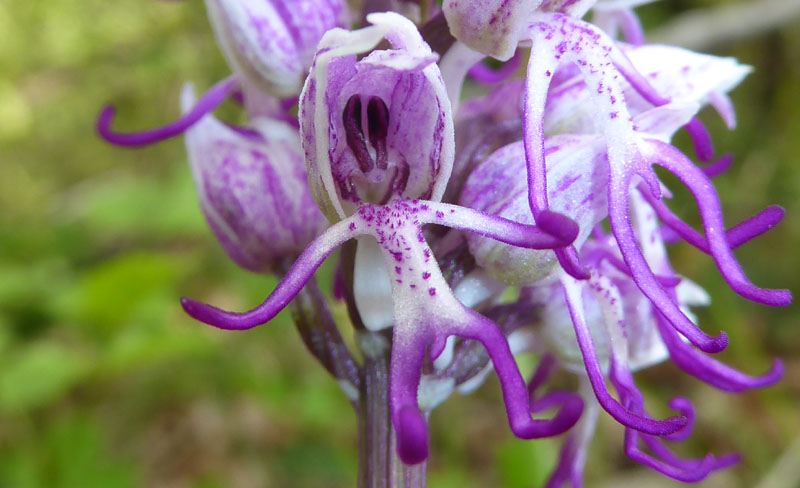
379, 466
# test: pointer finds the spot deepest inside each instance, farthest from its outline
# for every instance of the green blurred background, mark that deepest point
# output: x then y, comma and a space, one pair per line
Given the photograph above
105, 383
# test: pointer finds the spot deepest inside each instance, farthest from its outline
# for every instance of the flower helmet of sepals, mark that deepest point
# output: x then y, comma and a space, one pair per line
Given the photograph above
424, 312
269, 45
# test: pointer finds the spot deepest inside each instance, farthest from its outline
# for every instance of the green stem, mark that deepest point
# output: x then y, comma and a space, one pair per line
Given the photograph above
379, 466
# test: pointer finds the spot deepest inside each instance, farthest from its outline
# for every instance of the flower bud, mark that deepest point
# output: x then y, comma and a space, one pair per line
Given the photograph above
492, 27
271, 43
577, 179
252, 189
378, 128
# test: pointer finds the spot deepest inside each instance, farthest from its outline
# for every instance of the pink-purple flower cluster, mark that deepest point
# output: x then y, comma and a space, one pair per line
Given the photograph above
526, 219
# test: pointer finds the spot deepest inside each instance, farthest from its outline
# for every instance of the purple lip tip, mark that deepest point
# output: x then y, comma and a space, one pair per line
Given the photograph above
412, 436
558, 225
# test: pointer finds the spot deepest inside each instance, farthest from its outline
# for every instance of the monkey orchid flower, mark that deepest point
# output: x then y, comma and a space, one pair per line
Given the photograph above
378, 137
604, 326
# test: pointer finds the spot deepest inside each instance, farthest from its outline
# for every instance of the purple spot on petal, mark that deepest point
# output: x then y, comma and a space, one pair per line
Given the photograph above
432, 291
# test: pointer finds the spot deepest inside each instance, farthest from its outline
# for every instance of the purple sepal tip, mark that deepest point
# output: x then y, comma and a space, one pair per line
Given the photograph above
208, 102
208, 314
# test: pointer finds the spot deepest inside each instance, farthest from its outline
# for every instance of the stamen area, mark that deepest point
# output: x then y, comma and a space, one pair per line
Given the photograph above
366, 127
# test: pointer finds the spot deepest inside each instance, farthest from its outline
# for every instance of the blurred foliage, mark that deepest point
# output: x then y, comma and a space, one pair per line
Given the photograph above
105, 383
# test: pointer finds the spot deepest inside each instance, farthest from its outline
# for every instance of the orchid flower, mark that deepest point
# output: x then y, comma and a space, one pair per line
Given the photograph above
632, 332
618, 331
546, 185
361, 125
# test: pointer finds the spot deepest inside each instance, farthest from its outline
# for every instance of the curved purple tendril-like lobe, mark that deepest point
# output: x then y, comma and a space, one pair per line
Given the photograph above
302, 270
487, 76
643, 276
709, 370
606, 255
632, 30
720, 166
686, 408
208, 102
737, 235
703, 191
436, 313
663, 460
557, 39
565, 468
453, 216
552, 230
560, 38
701, 140
572, 293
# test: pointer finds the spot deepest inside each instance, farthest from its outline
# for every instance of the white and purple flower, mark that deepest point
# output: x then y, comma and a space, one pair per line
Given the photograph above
545, 186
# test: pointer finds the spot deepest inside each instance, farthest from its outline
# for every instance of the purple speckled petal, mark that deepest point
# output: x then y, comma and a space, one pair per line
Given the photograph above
711, 212
211, 100
558, 38
425, 310
426, 313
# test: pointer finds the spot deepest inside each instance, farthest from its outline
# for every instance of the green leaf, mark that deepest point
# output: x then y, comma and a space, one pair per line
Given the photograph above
38, 375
